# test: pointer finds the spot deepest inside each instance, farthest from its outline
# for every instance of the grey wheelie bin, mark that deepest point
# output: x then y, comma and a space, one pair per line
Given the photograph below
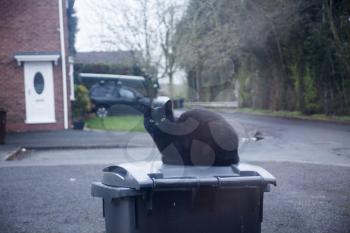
150, 197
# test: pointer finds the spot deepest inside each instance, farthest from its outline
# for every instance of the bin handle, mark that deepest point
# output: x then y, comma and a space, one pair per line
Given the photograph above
211, 181
169, 182
240, 181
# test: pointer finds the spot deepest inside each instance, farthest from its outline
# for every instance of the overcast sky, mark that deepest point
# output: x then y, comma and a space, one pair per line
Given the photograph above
91, 27
88, 28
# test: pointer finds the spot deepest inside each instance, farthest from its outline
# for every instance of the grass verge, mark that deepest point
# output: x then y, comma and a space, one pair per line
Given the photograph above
117, 123
299, 115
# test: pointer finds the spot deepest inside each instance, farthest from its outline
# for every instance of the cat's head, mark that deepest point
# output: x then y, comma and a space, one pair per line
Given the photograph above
154, 118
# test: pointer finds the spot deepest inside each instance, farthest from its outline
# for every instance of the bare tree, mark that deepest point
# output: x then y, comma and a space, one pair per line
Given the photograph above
145, 27
169, 14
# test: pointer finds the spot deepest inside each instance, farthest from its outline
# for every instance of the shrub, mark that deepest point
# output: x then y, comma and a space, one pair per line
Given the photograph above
82, 104
310, 94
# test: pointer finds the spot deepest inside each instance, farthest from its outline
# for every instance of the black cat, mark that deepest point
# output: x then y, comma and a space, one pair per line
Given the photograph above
198, 137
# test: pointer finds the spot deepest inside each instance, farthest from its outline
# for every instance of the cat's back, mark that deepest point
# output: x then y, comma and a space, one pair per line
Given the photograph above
212, 129
200, 115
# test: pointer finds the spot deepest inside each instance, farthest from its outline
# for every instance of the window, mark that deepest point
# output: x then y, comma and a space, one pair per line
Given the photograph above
125, 93
39, 83
102, 91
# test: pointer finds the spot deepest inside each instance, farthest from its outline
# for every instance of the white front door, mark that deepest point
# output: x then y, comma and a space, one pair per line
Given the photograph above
39, 92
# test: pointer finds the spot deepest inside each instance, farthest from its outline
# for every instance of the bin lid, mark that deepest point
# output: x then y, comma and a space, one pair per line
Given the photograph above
155, 174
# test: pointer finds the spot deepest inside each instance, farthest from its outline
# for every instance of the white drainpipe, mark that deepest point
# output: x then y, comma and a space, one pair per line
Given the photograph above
71, 77
63, 59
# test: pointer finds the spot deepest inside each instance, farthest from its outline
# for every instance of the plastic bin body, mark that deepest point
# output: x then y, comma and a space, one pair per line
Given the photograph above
225, 202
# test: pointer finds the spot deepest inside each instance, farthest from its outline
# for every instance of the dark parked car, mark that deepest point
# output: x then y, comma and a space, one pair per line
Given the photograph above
104, 96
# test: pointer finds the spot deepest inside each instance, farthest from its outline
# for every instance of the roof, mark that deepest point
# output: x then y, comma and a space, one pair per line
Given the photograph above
111, 76
109, 58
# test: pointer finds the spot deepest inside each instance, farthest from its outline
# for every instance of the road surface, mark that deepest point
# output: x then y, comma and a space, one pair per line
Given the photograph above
49, 191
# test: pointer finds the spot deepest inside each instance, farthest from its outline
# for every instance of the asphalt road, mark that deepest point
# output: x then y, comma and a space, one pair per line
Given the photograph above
35, 199
49, 191
293, 140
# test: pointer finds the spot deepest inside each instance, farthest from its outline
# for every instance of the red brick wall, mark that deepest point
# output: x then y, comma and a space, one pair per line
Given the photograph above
28, 25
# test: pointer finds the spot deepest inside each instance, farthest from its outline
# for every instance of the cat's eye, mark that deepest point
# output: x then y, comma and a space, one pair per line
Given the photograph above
151, 121
162, 119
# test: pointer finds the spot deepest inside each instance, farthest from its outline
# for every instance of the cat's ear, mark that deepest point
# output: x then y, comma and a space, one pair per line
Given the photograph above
168, 107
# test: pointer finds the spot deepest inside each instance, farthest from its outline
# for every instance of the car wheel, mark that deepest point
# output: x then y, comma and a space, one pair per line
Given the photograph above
102, 112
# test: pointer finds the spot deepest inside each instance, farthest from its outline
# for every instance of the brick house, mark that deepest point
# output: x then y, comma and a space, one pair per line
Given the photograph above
35, 72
